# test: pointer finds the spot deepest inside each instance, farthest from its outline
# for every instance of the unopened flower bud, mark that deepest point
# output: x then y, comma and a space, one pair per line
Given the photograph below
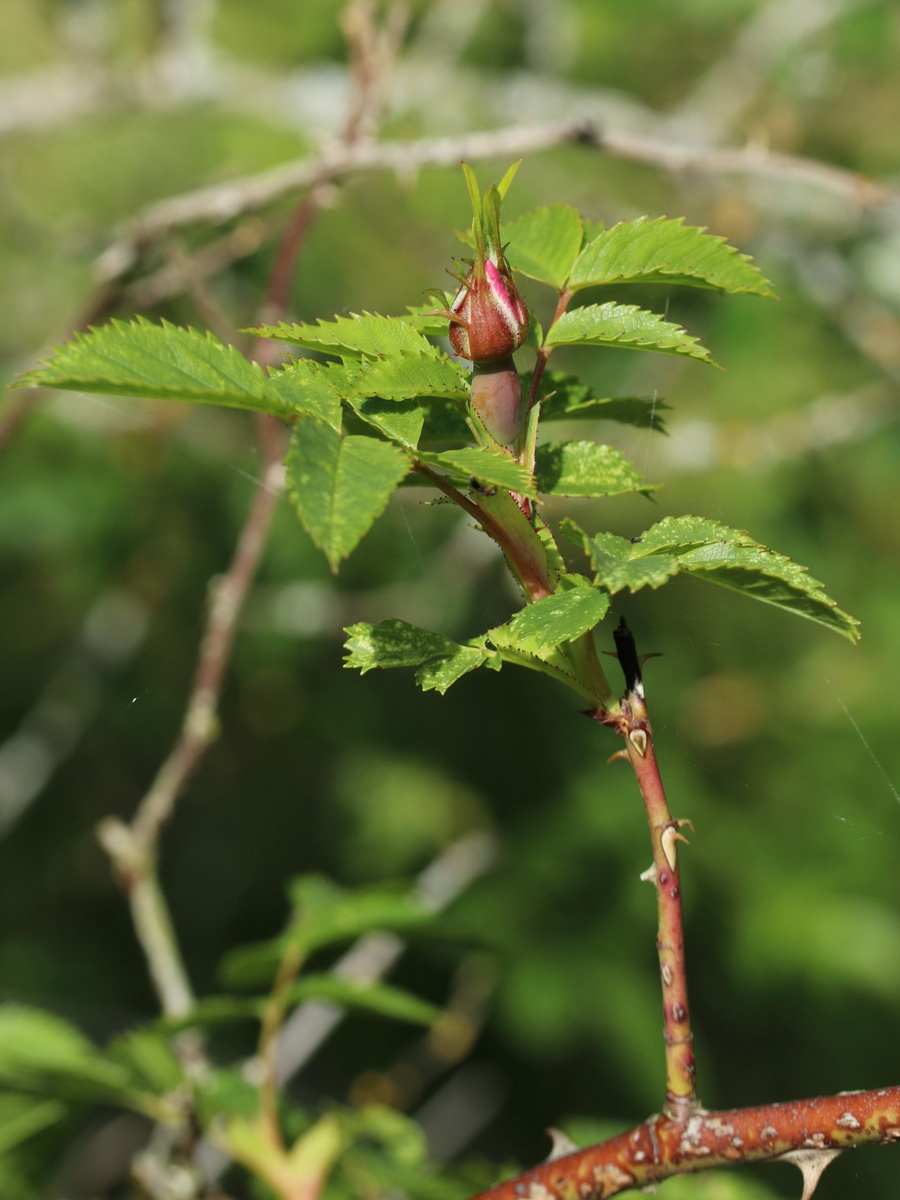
490, 319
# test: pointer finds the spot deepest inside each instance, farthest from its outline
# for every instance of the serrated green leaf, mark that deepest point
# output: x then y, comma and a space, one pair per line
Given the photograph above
571, 611
395, 643
551, 662
365, 334
661, 250
140, 358
566, 398
312, 389
408, 376
715, 553
438, 674
400, 421
486, 465
544, 244
340, 485
623, 325
424, 317
585, 469
611, 558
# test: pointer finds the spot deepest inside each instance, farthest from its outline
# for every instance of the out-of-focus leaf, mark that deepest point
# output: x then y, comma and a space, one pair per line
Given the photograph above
41, 1053
148, 1057
21, 1117
324, 914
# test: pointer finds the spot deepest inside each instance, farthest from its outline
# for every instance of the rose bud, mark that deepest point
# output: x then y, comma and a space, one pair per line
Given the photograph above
488, 317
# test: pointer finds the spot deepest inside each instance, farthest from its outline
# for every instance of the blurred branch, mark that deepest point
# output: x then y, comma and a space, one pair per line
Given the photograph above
225, 201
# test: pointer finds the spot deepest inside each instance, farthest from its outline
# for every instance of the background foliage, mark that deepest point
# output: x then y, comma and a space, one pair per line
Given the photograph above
777, 740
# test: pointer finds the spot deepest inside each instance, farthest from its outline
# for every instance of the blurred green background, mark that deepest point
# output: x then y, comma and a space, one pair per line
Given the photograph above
777, 739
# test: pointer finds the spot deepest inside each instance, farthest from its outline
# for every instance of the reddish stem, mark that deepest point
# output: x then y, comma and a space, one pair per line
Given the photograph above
664, 1146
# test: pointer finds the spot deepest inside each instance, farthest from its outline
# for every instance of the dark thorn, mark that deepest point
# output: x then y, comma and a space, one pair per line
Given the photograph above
627, 655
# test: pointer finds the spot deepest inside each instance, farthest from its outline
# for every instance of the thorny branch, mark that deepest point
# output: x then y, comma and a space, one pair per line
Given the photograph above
686, 1138
796, 1131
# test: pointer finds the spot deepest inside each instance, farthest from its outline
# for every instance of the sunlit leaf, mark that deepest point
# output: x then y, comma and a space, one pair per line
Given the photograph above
545, 243
339, 485
365, 334
395, 643
623, 325
140, 358
571, 611
485, 465
585, 469
714, 553
660, 250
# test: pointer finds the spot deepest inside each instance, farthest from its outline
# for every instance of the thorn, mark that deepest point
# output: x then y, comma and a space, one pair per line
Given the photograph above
618, 754
811, 1163
562, 1145
685, 821
651, 654
649, 876
638, 739
669, 837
